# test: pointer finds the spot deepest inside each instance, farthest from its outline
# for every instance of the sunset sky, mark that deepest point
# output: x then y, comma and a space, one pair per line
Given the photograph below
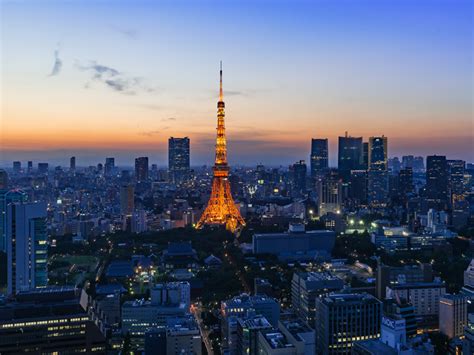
117, 78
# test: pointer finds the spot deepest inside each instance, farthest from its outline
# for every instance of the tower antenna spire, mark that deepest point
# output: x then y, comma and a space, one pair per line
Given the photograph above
221, 92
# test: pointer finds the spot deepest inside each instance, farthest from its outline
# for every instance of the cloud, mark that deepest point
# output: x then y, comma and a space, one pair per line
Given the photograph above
58, 63
114, 79
127, 32
149, 133
168, 119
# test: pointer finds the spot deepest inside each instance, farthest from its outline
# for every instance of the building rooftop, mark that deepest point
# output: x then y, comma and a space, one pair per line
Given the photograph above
376, 347
347, 298
277, 340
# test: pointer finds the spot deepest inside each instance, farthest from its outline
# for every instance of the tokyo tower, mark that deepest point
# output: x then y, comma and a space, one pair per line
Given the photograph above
221, 208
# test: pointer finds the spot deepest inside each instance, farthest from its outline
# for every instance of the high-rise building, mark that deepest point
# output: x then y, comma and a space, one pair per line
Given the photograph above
405, 182
48, 321
358, 186
350, 155
72, 164
248, 329
365, 156
221, 208
424, 296
306, 287
141, 169
298, 172
127, 199
342, 319
16, 167
27, 249
30, 167
389, 275
377, 188
43, 168
7, 197
109, 166
436, 182
468, 343
329, 191
452, 315
183, 336
178, 159
3, 180
319, 156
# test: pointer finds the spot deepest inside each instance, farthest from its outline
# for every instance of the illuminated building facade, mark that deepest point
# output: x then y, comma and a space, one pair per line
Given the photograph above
221, 208
178, 159
27, 249
141, 169
342, 319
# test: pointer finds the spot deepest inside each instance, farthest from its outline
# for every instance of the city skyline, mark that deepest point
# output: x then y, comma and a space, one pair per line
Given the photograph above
368, 70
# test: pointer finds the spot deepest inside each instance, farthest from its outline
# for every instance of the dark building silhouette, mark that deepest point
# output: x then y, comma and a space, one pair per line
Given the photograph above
178, 159
377, 188
319, 156
298, 173
436, 182
141, 169
350, 155
72, 164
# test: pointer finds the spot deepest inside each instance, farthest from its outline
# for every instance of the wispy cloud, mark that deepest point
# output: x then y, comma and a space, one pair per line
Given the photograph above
149, 133
114, 79
168, 119
58, 64
127, 32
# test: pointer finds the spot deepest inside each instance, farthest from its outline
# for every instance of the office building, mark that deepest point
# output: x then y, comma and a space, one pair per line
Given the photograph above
178, 159
109, 167
48, 321
27, 249
306, 287
377, 184
296, 244
241, 307
171, 293
30, 167
401, 309
72, 164
365, 156
127, 199
274, 342
155, 341
183, 336
298, 176
7, 197
350, 155
468, 342
329, 194
389, 275
358, 187
452, 315
300, 335
319, 156
416, 163
248, 329
43, 168
16, 167
3, 180
436, 182
141, 169
424, 296
405, 182
355, 316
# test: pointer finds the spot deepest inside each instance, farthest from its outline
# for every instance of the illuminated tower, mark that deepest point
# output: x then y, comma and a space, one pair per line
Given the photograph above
221, 207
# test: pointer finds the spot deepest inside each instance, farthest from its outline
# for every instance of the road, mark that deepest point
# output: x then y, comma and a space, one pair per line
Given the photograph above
197, 310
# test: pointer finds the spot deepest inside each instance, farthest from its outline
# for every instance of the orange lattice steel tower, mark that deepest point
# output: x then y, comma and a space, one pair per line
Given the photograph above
221, 208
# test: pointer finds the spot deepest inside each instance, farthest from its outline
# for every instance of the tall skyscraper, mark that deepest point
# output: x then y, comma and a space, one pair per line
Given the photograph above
141, 169
43, 168
298, 175
436, 182
27, 249
30, 167
456, 169
7, 197
72, 164
127, 199
109, 166
17, 167
178, 159
452, 315
3, 180
377, 188
221, 208
350, 155
319, 156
